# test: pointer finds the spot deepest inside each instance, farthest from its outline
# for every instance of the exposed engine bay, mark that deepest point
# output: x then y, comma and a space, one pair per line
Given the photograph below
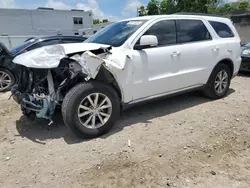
41, 89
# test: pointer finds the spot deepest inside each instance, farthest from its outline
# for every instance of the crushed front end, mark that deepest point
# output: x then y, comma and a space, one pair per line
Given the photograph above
39, 91
47, 74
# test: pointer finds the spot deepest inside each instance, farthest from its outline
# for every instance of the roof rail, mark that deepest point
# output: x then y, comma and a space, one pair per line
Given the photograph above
78, 10
44, 8
196, 14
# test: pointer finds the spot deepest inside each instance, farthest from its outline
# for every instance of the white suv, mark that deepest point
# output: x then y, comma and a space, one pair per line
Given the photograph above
127, 62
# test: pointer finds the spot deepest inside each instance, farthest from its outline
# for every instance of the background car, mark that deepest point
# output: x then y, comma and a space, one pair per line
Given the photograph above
7, 68
245, 64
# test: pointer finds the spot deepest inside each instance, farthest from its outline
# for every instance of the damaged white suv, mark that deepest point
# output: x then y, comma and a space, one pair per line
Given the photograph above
128, 62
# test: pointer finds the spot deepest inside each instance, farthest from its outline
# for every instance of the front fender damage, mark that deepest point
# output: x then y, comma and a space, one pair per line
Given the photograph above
88, 63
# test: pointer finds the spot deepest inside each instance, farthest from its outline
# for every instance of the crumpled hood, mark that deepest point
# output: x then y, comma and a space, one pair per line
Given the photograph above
49, 56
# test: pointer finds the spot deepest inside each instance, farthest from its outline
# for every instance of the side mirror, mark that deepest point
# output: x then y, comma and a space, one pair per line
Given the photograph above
147, 41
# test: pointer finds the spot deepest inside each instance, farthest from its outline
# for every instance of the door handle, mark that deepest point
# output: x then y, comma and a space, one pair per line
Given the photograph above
215, 49
175, 54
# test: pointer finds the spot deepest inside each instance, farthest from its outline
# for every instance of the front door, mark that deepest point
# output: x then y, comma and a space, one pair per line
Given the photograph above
155, 69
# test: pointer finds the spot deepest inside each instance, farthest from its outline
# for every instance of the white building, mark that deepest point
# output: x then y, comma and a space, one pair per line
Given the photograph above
20, 24
43, 21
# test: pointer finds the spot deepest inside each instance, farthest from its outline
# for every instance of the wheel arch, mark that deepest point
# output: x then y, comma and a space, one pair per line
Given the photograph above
2, 67
105, 76
227, 62
12, 72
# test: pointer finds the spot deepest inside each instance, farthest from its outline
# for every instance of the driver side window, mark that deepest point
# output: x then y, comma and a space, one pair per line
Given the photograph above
165, 31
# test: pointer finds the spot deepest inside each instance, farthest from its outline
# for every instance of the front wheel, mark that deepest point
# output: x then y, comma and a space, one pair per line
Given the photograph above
90, 109
219, 82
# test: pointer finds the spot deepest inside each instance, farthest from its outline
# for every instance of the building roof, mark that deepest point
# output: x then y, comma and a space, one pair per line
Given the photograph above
45, 9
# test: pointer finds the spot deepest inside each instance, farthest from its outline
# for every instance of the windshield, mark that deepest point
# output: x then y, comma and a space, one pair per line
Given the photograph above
117, 33
22, 46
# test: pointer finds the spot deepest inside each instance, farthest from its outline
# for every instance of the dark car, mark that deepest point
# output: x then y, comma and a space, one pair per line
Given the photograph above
8, 70
245, 64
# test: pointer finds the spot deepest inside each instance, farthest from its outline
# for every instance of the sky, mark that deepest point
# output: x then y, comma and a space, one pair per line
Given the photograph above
102, 9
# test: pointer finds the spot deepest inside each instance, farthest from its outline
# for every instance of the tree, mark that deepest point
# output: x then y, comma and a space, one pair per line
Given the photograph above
235, 5
172, 6
164, 7
153, 7
199, 6
96, 21
105, 21
195, 6
142, 11
243, 4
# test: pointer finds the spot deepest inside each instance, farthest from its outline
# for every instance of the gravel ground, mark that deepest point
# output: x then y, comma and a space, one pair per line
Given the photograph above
184, 141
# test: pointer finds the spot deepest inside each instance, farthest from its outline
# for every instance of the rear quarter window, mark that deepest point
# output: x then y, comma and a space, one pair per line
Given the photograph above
222, 29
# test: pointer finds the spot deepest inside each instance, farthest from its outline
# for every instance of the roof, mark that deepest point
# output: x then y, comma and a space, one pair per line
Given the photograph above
179, 15
59, 36
45, 9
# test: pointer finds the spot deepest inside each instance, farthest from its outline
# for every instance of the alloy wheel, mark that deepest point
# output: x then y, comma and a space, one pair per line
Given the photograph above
95, 110
221, 82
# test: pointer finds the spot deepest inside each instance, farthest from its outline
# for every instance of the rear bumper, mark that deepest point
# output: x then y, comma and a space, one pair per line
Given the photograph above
237, 65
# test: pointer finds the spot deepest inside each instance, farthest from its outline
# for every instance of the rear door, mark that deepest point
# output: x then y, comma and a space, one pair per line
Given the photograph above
197, 55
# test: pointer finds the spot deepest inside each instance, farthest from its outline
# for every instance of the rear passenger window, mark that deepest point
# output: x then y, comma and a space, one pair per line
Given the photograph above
193, 31
222, 29
165, 31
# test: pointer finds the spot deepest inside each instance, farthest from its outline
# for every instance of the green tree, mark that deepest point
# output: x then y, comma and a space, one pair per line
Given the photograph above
153, 7
172, 6
243, 4
199, 6
105, 20
142, 11
96, 21
235, 5
164, 7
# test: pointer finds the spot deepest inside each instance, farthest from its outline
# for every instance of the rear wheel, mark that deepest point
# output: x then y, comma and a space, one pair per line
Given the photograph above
7, 79
219, 82
91, 109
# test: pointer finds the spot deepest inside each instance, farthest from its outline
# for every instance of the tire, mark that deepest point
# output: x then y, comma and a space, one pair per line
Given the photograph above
210, 89
11, 79
78, 95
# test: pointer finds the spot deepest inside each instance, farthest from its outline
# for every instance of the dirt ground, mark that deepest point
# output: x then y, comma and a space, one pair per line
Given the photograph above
184, 141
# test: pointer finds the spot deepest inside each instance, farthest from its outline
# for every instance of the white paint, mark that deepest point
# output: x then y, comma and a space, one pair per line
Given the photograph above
45, 57
49, 56
150, 40
90, 63
155, 71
